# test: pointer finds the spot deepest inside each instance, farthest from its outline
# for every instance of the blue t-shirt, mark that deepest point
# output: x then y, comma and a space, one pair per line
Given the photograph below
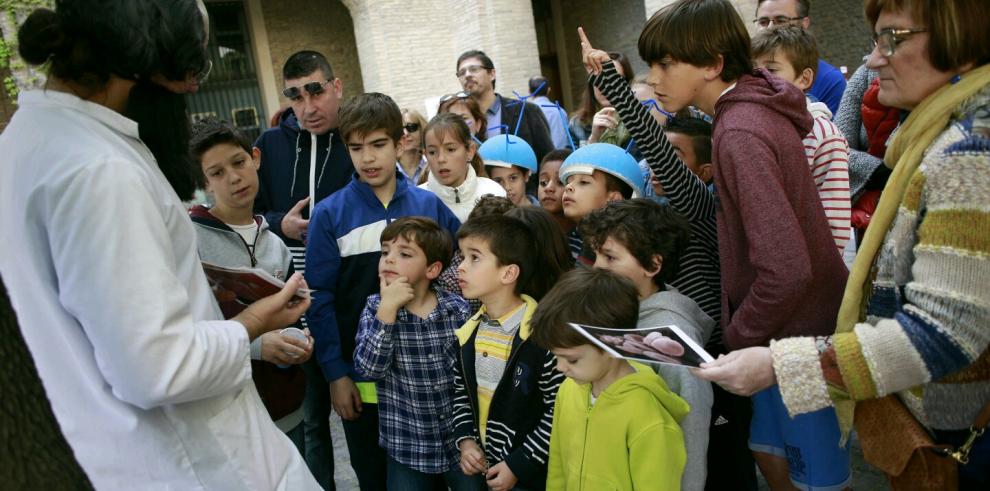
829, 86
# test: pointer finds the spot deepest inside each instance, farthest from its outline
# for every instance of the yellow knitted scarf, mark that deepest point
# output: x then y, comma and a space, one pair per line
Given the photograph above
904, 155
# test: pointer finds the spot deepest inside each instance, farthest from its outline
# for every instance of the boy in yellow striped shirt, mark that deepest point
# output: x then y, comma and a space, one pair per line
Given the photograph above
505, 385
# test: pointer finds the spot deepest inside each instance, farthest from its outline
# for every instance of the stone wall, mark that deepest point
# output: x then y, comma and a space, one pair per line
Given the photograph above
416, 63
842, 32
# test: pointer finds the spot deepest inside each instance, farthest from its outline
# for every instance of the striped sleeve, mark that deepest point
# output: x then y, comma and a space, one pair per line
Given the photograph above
828, 158
464, 426
535, 450
698, 278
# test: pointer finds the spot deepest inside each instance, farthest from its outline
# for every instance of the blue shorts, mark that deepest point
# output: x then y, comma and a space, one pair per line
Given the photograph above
809, 442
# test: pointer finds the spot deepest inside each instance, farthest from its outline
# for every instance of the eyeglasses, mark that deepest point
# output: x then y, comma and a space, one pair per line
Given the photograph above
458, 95
411, 127
775, 21
312, 88
472, 69
887, 39
205, 72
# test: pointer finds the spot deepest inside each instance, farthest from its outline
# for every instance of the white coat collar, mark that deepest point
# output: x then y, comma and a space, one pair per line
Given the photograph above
103, 114
463, 193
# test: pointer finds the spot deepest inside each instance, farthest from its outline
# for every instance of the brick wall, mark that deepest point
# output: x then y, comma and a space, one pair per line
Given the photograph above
613, 26
320, 25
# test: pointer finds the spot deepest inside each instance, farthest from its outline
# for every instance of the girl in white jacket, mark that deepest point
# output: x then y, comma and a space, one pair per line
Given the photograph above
456, 169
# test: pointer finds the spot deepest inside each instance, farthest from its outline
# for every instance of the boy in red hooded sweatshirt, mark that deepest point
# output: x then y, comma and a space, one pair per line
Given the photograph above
781, 273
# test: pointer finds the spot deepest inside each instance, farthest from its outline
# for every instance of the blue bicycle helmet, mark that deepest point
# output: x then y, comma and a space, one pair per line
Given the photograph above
508, 150
607, 158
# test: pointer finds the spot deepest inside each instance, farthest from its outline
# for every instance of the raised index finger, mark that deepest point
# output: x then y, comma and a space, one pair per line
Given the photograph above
584, 39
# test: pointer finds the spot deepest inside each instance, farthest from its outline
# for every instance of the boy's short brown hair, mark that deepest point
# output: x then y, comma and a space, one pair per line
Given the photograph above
797, 44
369, 112
425, 233
490, 204
613, 183
586, 296
697, 32
510, 241
208, 133
645, 228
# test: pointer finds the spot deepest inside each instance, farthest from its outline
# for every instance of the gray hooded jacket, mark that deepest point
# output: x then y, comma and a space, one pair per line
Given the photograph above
670, 307
221, 245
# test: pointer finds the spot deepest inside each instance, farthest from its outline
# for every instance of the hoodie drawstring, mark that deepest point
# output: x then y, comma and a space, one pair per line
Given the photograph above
312, 167
325, 160
295, 165
312, 173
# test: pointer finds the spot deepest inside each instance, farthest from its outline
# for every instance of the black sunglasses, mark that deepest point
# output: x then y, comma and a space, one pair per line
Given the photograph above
459, 95
312, 88
411, 127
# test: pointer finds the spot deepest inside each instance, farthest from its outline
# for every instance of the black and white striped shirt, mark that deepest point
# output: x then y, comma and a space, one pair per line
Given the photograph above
699, 275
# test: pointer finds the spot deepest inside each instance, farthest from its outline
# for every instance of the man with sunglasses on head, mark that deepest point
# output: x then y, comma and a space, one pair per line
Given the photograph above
476, 73
304, 160
829, 82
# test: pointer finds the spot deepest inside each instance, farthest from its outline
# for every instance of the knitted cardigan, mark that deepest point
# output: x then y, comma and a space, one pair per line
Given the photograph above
928, 315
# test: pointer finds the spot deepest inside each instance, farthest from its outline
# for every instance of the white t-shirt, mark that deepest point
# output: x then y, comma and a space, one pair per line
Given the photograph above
247, 232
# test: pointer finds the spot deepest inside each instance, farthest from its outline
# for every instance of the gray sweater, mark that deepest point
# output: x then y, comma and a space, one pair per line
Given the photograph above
666, 308
217, 243
849, 120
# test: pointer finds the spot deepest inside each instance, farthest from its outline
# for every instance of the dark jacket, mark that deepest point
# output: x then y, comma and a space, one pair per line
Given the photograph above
342, 262
521, 412
781, 273
283, 178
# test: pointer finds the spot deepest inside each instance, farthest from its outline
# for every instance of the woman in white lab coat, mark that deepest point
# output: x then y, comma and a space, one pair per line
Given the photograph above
151, 388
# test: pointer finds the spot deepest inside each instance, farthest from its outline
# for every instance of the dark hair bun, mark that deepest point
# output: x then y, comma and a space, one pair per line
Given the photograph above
40, 37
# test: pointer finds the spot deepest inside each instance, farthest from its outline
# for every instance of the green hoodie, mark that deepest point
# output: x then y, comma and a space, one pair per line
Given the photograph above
630, 439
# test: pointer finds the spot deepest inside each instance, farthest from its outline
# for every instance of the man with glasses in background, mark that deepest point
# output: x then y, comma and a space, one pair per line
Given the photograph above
476, 73
829, 82
304, 160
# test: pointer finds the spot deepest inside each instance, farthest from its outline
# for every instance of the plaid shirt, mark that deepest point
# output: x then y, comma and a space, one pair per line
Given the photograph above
412, 362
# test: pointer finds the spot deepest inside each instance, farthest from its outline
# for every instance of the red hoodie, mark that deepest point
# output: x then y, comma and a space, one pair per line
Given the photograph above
781, 273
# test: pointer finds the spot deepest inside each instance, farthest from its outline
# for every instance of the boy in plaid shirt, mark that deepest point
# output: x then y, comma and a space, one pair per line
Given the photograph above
406, 343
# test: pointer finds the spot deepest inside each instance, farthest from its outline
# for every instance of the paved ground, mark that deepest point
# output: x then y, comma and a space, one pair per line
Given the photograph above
865, 478
343, 474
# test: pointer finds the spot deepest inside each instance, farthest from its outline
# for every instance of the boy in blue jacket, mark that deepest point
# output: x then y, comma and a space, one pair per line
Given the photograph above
342, 265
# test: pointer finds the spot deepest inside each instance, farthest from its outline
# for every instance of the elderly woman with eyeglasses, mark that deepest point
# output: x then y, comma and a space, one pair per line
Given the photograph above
915, 318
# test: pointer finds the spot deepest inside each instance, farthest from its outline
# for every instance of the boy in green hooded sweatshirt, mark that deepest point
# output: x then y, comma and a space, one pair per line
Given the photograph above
621, 410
